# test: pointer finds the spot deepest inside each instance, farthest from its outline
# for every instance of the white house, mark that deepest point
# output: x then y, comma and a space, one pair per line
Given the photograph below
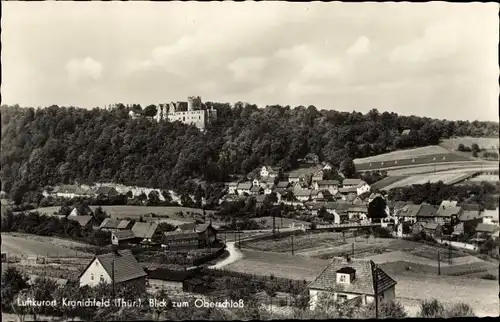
120, 265
255, 182
317, 176
268, 171
269, 189
232, 187
363, 188
327, 166
349, 279
331, 185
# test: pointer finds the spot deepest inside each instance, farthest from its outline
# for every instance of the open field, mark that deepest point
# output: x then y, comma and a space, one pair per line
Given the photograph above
387, 181
301, 242
451, 167
489, 178
446, 178
24, 244
483, 143
404, 154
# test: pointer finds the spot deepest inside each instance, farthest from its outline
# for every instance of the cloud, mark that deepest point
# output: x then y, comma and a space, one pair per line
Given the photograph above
84, 69
439, 41
360, 47
247, 68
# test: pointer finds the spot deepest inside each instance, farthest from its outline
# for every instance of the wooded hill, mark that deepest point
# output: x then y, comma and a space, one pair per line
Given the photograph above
57, 145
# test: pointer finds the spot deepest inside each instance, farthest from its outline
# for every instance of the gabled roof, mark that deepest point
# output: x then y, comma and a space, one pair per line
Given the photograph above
124, 234
468, 215
408, 210
109, 223
144, 229
447, 203
203, 227
245, 185
427, 211
126, 267
363, 209
83, 210
105, 190
327, 182
364, 280
448, 211
82, 220
123, 224
406, 132
232, 184
487, 228
187, 226
255, 189
302, 193
283, 184
348, 190
353, 182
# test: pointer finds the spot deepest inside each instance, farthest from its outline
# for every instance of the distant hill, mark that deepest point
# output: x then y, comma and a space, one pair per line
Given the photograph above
59, 145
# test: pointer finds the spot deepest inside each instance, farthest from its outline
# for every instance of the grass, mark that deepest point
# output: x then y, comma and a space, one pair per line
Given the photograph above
301, 242
446, 178
449, 168
136, 211
483, 143
387, 181
281, 222
404, 154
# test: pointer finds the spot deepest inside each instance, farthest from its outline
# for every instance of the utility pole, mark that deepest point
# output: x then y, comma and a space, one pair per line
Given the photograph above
113, 276
292, 243
439, 264
376, 291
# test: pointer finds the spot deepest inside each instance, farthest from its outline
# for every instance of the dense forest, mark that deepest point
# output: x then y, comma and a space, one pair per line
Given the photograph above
57, 145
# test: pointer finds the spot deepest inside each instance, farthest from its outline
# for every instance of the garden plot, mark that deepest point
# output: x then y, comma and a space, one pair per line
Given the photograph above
301, 242
446, 178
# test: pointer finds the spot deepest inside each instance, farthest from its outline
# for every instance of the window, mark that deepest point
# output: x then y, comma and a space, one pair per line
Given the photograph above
102, 278
91, 277
341, 297
342, 279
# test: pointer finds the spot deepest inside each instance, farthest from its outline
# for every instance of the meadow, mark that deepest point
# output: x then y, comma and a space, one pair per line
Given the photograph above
425, 151
300, 242
446, 178
483, 143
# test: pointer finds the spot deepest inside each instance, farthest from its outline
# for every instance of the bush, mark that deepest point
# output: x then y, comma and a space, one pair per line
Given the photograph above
489, 277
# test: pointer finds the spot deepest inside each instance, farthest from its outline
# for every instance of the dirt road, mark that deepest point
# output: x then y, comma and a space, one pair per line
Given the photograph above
234, 255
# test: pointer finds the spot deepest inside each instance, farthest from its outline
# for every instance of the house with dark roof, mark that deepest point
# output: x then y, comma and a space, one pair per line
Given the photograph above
283, 185
107, 191
180, 240
124, 238
119, 267
144, 230
483, 231
427, 212
350, 279
256, 190
81, 210
302, 194
187, 227
113, 224
408, 213
84, 221
244, 188
433, 229
448, 213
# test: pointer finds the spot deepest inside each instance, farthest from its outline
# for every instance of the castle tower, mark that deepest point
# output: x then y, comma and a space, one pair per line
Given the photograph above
194, 103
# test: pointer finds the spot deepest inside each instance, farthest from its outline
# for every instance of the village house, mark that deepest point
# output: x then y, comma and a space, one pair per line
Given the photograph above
427, 212
269, 172
256, 190
107, 191
119, 267
433, 229
144, 231
113, 224
302, 194
269, 189
84, 221
358, 213
447, 214
187, 227
81, 210
255, 182
282, 185
331, 185
317, 176
69, 191
232, 188
202, 236
327, 166
408, 213
171, 280
349, 279
294, 177
244, 188
359, 185
124, 238
490, 216
418, 227
483, 231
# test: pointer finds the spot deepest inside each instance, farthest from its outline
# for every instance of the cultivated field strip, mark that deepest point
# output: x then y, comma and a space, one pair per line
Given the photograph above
483, 143
404, 154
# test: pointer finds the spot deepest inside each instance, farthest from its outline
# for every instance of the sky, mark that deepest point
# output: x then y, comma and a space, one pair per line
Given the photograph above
436, 59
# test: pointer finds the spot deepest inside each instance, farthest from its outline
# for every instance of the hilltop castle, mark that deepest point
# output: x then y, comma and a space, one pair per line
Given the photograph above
192, 112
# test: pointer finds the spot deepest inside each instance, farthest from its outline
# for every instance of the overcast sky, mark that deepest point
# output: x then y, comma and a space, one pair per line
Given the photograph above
431, 59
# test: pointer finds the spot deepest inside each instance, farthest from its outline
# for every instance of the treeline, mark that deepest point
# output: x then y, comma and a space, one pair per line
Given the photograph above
56, 145
34, 223
485, 194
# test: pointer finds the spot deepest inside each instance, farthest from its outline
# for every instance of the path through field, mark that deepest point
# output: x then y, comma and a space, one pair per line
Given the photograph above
234, 255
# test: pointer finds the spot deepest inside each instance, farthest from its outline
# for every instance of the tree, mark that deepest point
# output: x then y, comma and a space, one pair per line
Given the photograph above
99, 215
461, 147
475, 148
347, 168
434, 309
377, 209
13, 282
153, 198
150, 110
